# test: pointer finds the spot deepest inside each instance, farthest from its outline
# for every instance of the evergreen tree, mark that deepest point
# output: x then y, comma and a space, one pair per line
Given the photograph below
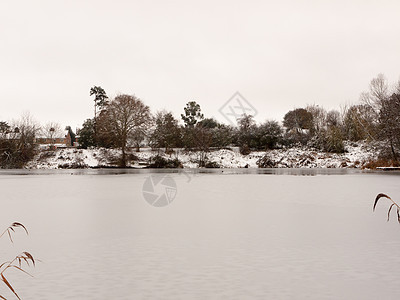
167, 132
268, 135
100, 99
192, 114
86, 134
191, 117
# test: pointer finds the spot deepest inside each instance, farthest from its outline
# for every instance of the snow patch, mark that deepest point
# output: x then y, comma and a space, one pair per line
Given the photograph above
355, 156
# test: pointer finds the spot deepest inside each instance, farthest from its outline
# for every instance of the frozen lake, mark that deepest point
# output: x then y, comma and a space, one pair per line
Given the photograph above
236, 234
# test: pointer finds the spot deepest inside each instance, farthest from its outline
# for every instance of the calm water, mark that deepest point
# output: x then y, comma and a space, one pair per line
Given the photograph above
237, 234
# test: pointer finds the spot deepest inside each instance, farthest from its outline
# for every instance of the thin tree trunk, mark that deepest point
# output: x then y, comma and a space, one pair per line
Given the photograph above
393, 151
123, 160
95, 123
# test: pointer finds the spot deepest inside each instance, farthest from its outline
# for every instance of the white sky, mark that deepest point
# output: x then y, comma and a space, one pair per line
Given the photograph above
278, 54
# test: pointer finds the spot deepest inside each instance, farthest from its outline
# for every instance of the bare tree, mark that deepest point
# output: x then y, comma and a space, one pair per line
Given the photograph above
202, 142
384, 100
4, 130
18, 146
390, 123
318, 117
360, 122
333, 118
139, 135
246, 133
28, 128
51, 131
126, 115
378, 92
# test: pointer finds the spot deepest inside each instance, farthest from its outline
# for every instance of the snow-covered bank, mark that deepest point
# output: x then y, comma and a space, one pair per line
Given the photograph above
355, 157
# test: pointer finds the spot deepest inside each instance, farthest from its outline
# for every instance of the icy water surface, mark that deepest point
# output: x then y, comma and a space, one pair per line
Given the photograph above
237, 234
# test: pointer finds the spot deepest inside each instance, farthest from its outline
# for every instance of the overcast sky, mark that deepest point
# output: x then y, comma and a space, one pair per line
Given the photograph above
279, 55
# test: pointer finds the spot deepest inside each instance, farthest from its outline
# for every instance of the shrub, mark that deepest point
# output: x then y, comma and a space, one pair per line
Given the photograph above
268, 135
266, 162
74, 165
334, 140
159, 162
169, 151
244, 150
380, 162
46, 154
132, 157
212, 165
386, 152
330, 140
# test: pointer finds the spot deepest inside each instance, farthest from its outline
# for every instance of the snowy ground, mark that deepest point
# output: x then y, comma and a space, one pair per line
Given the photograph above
356, 155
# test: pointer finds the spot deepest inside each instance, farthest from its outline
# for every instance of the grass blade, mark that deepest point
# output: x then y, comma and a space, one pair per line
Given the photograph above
9, 286
17, 224
22, 270
379, 197
390, 208
24, 256
398, 215
30, 257
9, 235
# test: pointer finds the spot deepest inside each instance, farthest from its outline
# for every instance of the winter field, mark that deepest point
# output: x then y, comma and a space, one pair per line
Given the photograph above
356, 156
227, 234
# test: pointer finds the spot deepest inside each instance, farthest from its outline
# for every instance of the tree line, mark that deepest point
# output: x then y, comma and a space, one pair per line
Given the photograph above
126, 122
19, 138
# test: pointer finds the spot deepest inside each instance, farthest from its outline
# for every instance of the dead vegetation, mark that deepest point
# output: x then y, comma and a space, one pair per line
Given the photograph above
373, 164
17, 262
379, 196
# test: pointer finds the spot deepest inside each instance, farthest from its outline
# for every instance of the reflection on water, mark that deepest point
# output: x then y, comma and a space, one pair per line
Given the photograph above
242, 236
193, 172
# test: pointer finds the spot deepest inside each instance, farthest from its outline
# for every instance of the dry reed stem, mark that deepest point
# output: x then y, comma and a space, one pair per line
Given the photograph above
381, 195
17, 262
